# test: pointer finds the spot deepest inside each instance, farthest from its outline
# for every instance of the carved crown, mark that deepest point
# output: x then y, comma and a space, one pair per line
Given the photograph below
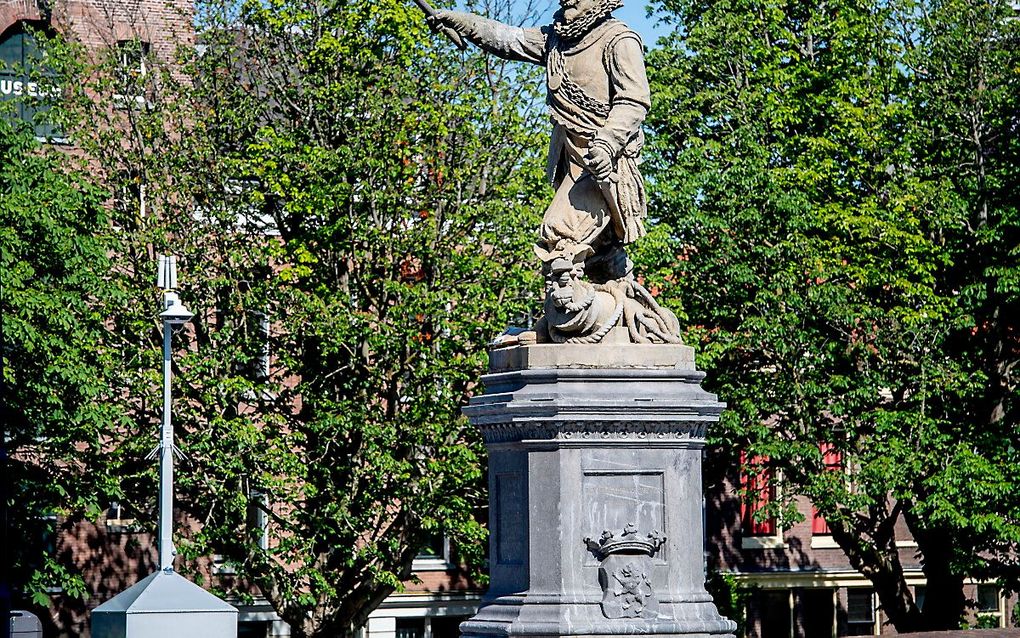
629, 542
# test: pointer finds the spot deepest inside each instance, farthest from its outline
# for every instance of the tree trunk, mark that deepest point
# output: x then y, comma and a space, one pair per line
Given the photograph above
944, 602
896, 599
880, 563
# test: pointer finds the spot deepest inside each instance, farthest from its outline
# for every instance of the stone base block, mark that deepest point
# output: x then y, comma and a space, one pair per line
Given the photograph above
519, 616
591, 356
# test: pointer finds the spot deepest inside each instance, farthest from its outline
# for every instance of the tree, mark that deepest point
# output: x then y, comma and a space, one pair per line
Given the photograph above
58, 405
839, 182
352, 204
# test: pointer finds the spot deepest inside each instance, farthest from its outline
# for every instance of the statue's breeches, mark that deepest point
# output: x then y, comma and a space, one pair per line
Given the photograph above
578, 212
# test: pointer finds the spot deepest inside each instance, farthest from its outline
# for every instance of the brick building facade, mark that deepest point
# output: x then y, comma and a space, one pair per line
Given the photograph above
99, 24
799, 582
133, 27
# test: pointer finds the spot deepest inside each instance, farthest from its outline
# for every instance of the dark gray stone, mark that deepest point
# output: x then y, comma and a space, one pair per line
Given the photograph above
595, 495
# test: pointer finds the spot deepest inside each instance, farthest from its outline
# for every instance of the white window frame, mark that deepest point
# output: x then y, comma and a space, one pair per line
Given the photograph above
434, 564
118, 524
1000, 611
876, 623
257, 501
126, 64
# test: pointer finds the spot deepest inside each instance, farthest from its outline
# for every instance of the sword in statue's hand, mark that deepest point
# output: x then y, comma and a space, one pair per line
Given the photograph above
435, 25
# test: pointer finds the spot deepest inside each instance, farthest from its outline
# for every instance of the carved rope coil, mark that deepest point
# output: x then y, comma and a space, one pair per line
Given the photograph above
584, 304
600, 334
659, 322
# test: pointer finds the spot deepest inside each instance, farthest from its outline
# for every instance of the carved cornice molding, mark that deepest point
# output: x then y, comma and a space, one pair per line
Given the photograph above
595, 431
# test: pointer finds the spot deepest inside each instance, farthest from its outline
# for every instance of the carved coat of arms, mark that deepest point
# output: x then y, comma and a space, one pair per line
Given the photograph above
625, 573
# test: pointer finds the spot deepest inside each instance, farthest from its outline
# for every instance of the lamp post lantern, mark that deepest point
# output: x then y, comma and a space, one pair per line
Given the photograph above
165, 604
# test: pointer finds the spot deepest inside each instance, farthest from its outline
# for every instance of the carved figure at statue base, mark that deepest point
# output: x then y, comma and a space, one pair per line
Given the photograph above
580, 309
598, 98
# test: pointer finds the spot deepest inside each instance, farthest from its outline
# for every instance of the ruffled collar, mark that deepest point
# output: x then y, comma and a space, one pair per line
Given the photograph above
579, 27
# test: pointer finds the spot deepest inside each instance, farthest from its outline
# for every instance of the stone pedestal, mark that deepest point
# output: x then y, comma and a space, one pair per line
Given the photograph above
595, 492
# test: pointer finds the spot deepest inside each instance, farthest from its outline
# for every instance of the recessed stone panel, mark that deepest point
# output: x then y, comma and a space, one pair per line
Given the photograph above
512, 520
614, 500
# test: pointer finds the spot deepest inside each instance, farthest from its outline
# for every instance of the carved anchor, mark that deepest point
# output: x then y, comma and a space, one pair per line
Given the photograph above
625, 572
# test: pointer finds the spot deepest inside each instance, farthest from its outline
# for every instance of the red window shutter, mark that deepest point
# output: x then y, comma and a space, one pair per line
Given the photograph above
832, 459
757, 492
819, 526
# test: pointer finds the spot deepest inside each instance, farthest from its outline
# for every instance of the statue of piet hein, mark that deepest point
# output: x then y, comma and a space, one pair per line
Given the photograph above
595, 495
598, 98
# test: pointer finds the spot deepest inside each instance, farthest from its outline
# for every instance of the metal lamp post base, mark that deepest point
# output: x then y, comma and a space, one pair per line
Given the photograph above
164, 605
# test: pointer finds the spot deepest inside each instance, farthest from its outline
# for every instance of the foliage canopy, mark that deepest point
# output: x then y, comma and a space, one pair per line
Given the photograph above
840, 186
351, 204
58, 408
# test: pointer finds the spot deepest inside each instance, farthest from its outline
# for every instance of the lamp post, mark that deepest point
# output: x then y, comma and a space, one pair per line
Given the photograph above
164, 604
174, 315
5, 554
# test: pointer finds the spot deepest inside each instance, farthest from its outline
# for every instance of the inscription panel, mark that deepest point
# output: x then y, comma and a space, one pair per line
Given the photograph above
614, 500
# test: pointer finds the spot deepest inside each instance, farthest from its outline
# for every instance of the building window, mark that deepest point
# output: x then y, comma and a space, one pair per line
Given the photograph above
25, 79
129, 199
434, 555
816, 608
919, 593
49, 544
770, 613
260, 363
253, 628
223, 566
258, 518
132, 67
989, 607
447, 626
117, 522
410, 628
757, 491
255, 365
860, 612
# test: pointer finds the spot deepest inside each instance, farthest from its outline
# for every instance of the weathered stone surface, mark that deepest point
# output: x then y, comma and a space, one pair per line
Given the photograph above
624, 356
595, 493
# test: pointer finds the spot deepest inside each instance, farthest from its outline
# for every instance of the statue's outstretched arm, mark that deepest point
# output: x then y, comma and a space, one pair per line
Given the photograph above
509, 42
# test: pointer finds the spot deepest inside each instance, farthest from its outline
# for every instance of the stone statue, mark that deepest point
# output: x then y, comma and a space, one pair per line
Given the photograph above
597, 97
594, 448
